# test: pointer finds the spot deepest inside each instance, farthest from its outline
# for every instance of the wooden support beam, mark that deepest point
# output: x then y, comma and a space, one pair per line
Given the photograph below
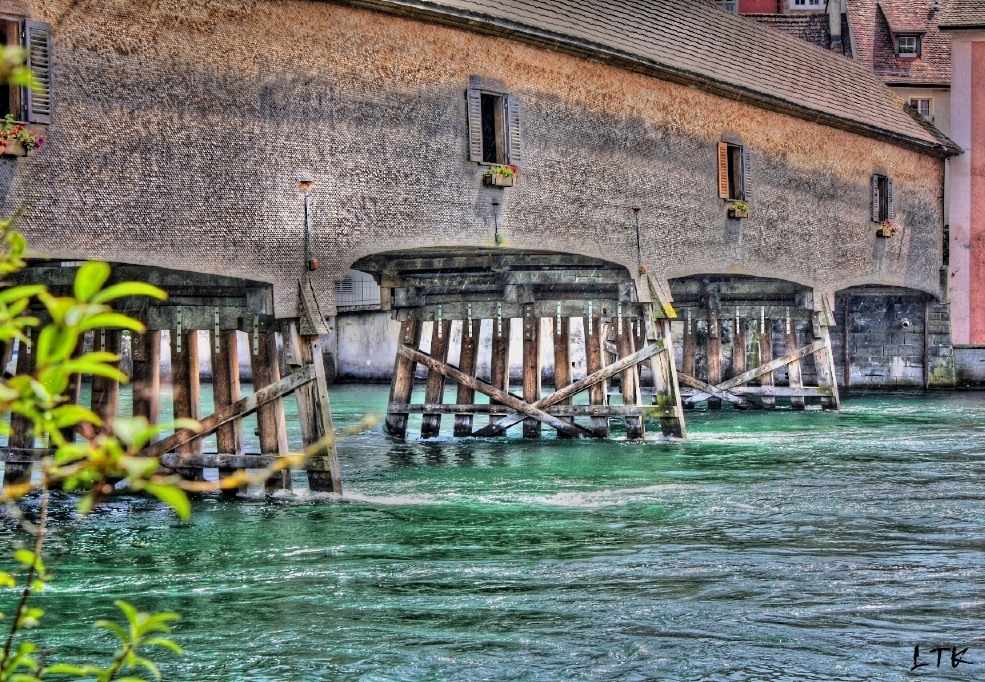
847, 349
531, 368
499, 363
629, 384
776, 391
765, 357
714, 357
106, 391
403, 375
271, 421
482, 387
594, 379
594, 364
666, 389
562, 358
21, 429
435, 389
793, 369
74, 390
688, 347
561, 411
324, 472
237, 410
146, 354
926, 342
707, 391
467, 364
824, 365
186, 394
739, 347
225, 392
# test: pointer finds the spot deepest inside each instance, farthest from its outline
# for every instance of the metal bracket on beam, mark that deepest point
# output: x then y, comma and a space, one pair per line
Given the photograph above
215, 327
470, 319
256, 335
177, 340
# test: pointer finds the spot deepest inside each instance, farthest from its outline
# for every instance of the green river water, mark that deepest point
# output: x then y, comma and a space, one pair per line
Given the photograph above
769, 546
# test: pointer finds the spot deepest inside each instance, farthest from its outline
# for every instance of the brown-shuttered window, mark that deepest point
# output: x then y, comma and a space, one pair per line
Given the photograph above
734, 172
33, 105
883, 206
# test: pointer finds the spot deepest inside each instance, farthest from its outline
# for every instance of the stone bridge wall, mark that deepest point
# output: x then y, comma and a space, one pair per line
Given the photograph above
180, 129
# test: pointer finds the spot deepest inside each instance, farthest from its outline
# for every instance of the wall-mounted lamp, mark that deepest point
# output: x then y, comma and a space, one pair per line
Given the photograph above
306, 182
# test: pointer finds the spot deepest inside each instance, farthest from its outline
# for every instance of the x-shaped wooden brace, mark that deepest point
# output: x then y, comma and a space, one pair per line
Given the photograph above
722, 390
524, 410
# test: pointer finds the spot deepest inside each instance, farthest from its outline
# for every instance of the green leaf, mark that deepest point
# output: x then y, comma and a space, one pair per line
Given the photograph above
7, 580
26, 557
129, 289
114, 320
172, 496
139, 467
17, 293
115, 628
67, 669
128, 430
167, 643
148, 665
70, 415
90, 279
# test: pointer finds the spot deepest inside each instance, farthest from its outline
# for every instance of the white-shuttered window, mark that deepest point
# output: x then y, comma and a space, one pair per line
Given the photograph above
33, 105
924, 107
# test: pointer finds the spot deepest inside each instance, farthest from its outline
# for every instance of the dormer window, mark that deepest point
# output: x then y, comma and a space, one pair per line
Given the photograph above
908, 47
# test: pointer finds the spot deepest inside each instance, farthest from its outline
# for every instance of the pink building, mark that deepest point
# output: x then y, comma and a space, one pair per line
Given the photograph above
965, 21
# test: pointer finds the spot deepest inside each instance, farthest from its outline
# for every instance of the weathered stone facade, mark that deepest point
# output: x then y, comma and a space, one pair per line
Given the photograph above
180, 131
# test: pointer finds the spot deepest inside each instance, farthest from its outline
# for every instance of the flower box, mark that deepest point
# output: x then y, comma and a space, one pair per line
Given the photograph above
738, 213
887, 229
14, 148
498, 180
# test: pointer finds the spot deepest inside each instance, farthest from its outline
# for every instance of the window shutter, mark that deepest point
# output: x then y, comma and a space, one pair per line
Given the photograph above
723, 170
891, 211
513, 153
746, 174
38, 37
474, 99
875, 198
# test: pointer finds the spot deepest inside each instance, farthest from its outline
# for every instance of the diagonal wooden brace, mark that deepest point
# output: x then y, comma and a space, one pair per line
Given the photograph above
494, 393
629, 361
707, 391
238, 409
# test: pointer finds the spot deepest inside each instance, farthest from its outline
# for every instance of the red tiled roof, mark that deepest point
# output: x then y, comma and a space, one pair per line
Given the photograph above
872, 38
684, 41
963, 14
811, 28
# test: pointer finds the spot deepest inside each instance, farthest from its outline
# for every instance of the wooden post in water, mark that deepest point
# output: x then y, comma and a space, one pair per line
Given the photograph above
593, 363
714, 356
793, 369
687, 359
765, 356
265, 370
664, 372
146, 352
629, 379
226, 391
186, 392
739, 348
434, 392
403, 376
824, 364
499, 363
467, 364
562, 361
21, 428
531, 367
74, 390
106, 391
847, 349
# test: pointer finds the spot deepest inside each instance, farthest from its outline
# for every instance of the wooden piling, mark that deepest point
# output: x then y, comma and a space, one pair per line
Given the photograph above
105, 390
467, 363
146, 353
531, 367
226, 391
667, 392
687, 359
739, 348
562, 360
629, 379
271, 423
824, 364
403, 376
434, 391
714, 357
499, 363
793, 369
21, 428
765, 356
74, 390
186, 393
593, 363
847, 347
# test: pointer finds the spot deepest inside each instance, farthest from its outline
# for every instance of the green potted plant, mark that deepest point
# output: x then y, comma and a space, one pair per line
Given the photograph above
17, 140
500, 176
738, 209
887, 229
